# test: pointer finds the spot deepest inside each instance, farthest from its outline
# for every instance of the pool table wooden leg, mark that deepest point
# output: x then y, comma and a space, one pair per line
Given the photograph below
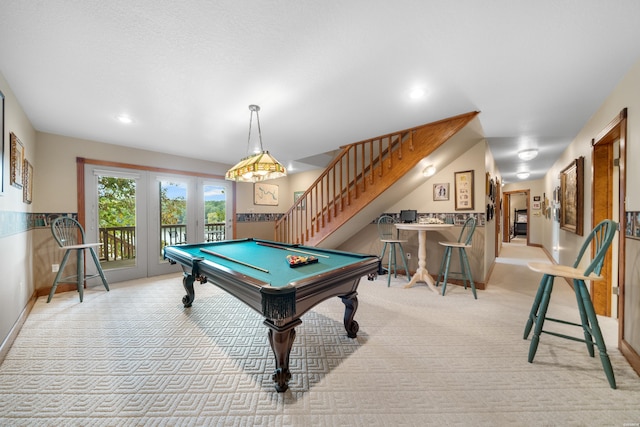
187, 282
350, 306
281, 339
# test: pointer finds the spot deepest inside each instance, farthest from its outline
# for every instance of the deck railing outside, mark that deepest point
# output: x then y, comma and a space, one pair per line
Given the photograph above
119, 243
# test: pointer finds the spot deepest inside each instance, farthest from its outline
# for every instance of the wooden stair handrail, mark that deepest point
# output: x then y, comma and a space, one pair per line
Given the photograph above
357, 175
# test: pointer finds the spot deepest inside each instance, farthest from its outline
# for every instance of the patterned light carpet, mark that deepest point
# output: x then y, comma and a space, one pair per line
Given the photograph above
135, 357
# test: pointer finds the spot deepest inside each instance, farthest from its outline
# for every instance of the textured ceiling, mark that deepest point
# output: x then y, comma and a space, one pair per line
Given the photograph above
325, 73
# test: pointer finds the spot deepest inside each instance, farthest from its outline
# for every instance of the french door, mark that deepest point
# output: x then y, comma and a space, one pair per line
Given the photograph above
136, 213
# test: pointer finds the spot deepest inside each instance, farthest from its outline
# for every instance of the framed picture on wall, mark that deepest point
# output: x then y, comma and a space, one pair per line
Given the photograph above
464, 190
265, 194
440, 192
17, 162
27, 188
630, 219
572, 196
303, 203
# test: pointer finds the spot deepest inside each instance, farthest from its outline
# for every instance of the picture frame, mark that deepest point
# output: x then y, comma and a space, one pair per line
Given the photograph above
463, 183
17, 162
636, 225
1, 143
296, 196
572, 197
441, 192
630, 220
27, 188
265, 194
536, 206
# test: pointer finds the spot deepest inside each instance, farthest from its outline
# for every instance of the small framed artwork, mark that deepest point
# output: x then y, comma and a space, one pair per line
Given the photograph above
629, 224
1, 142
265, 194
17, 162
440, 192
464, 190
535, 206
303, 203
536, 198
27, 188
572, 196
636, 225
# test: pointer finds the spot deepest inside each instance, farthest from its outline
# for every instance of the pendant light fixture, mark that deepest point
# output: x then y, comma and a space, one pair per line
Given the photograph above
260, 166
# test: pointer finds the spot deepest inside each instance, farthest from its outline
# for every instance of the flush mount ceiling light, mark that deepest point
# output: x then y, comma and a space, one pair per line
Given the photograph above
528, 154
523, 175
256, 167
429, 170
416, 93
125, 119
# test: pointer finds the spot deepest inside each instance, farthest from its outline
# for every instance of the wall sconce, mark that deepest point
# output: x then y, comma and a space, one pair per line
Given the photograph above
429, 171
528, 154
523, 175
256, 167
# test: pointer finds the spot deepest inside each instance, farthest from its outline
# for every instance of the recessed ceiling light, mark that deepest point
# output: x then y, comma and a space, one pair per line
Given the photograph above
123, 118
528, 154
429, 170
416, 93
523, 175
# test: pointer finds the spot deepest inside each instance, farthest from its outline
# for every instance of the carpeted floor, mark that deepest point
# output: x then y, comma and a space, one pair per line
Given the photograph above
135, 357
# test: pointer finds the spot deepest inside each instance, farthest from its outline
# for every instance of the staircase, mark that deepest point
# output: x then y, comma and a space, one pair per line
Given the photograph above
360, 173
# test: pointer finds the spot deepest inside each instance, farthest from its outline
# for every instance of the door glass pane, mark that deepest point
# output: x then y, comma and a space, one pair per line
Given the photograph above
214, 212
117, 221
173, 213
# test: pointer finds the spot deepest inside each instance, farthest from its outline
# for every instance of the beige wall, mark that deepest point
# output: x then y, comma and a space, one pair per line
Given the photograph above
16, 280
56, 159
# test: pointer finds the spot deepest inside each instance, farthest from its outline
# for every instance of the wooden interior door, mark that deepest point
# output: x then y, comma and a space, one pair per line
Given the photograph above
601, 292
506, 208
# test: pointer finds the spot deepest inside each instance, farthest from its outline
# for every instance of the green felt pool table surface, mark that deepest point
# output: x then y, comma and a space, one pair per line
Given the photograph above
257, 254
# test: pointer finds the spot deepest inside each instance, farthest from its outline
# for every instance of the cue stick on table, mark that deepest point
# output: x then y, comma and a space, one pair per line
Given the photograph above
233, 260
290, 249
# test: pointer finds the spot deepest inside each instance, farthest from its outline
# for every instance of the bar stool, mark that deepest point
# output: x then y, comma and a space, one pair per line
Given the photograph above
70, 236
388, 235
600, 238
464, 242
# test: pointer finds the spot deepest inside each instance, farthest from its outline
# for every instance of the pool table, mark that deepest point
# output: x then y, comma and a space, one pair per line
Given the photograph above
259, 274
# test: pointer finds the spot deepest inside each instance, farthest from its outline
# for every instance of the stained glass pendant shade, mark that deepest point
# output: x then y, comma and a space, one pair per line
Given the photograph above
257, 167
